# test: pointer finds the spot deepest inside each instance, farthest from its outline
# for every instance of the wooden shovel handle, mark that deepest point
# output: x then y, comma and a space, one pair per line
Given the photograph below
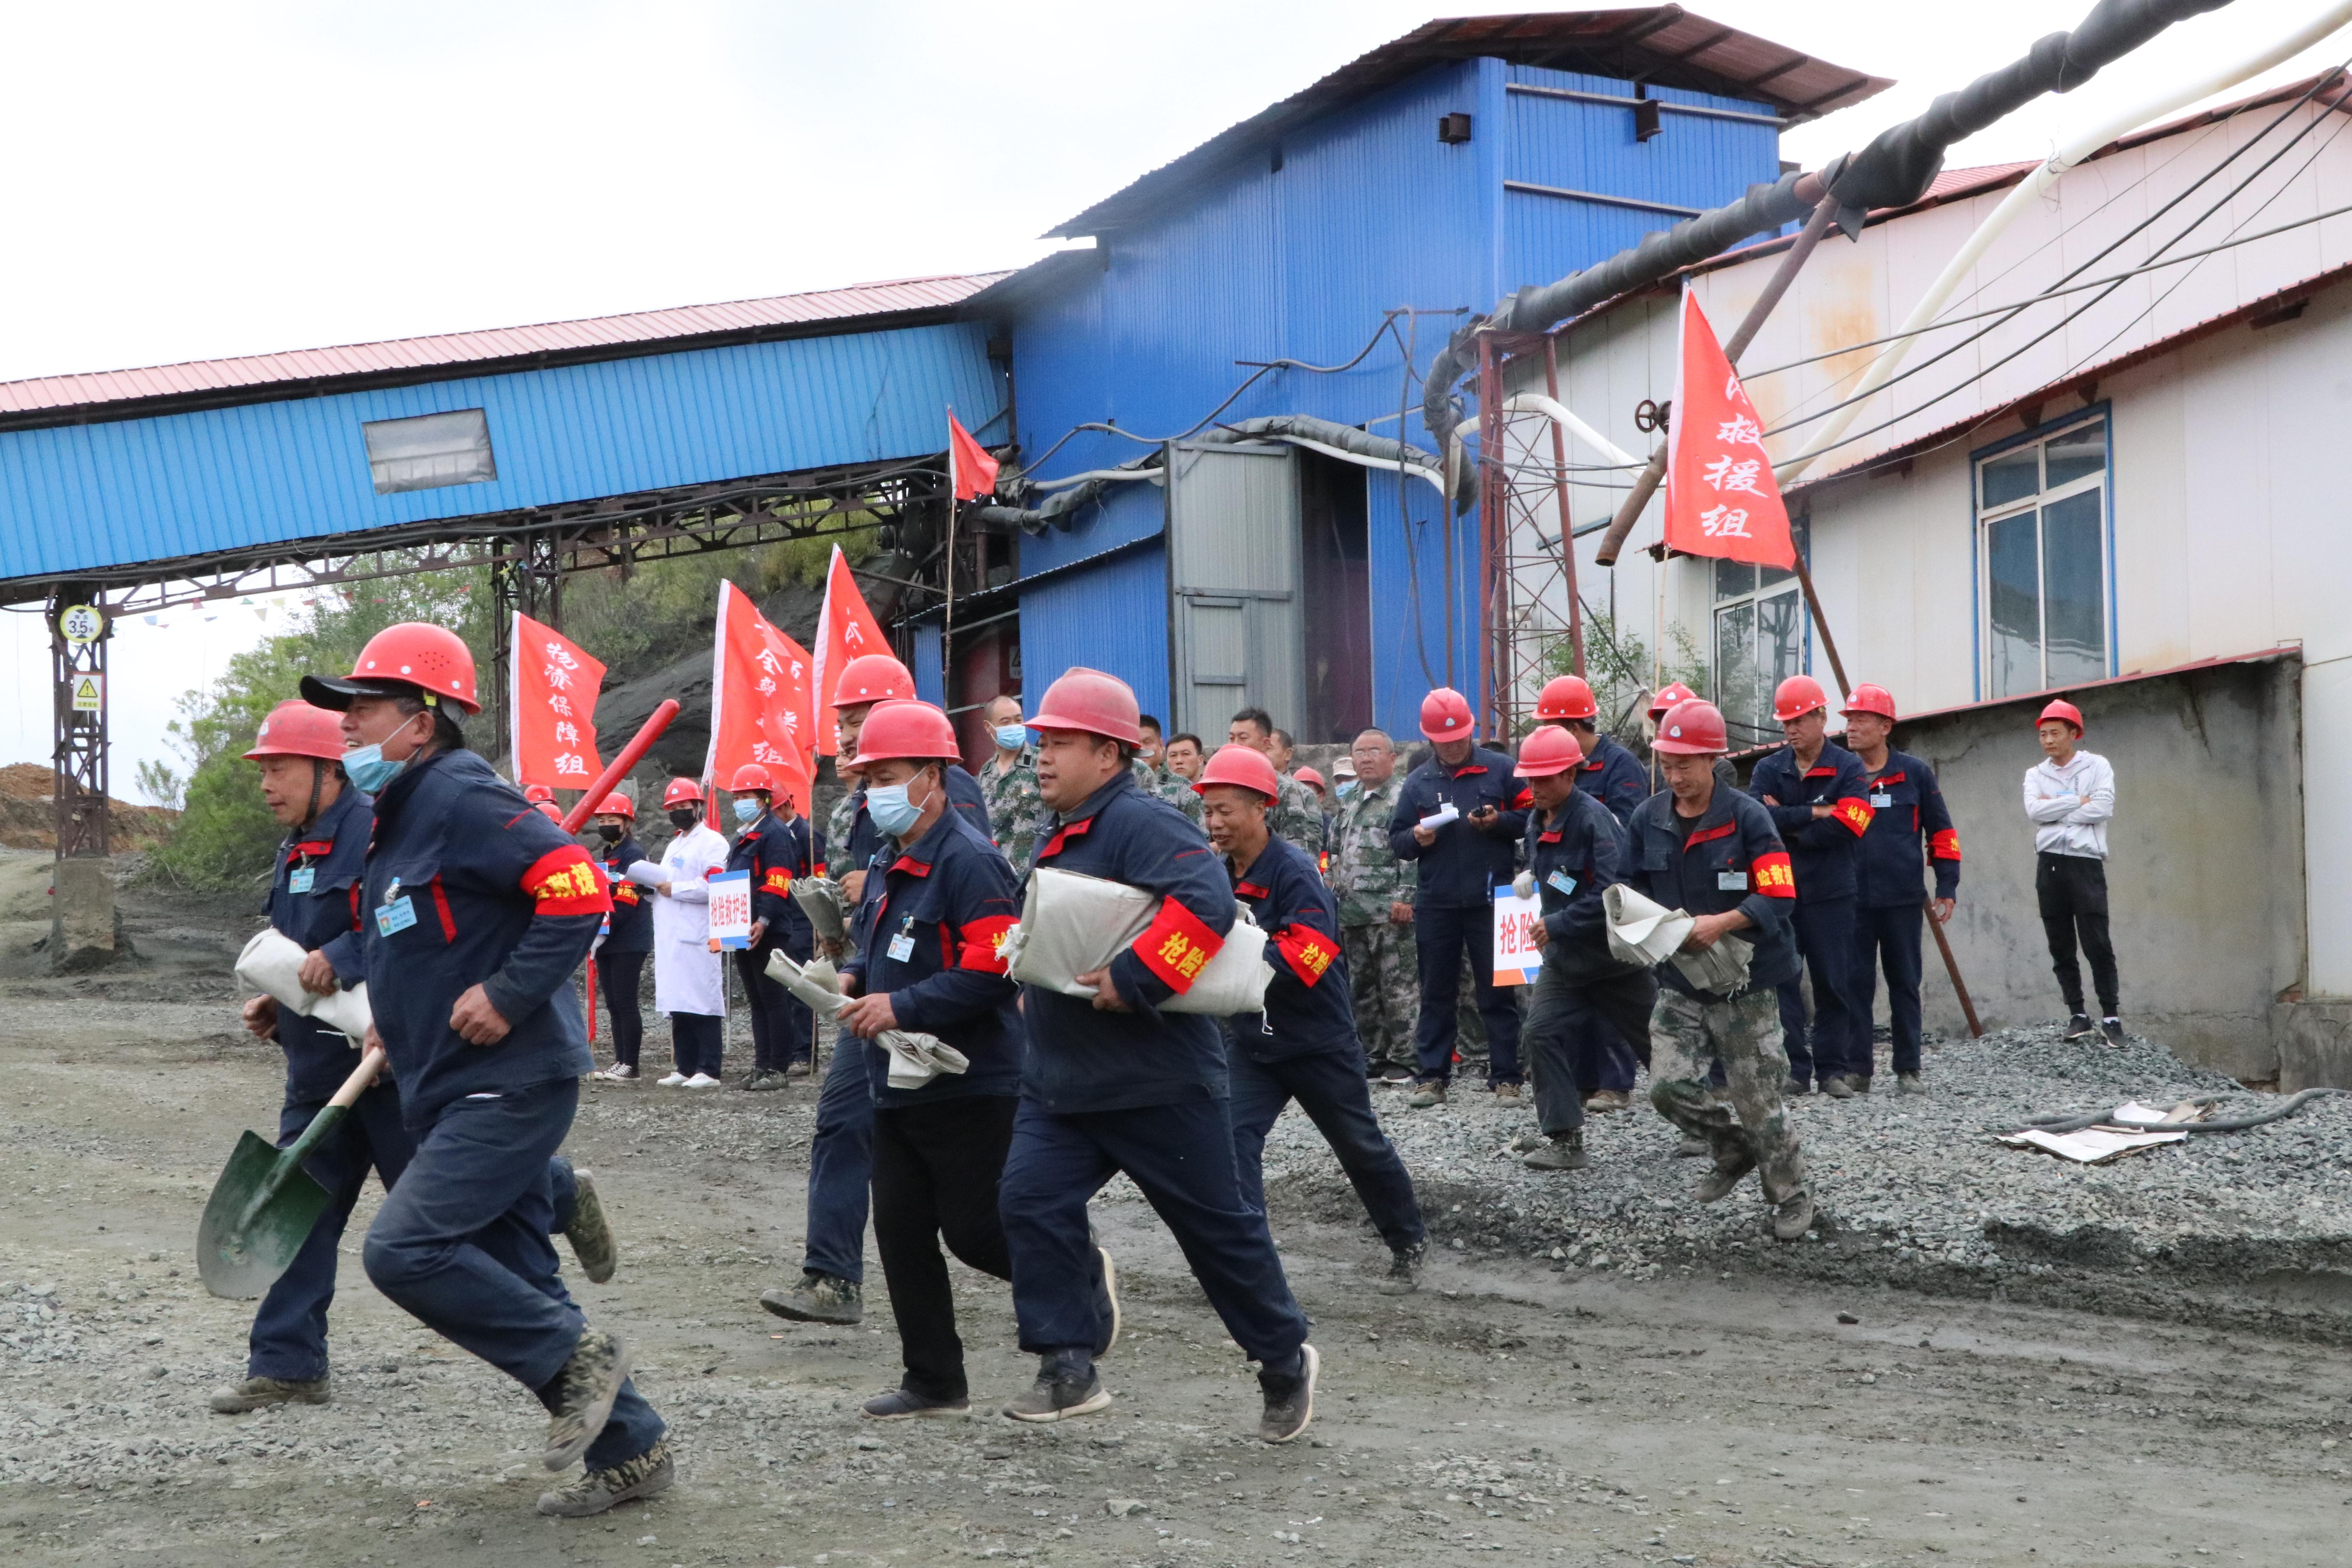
362, 1076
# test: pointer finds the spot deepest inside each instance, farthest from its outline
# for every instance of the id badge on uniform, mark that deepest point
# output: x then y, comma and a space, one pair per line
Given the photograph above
299, 882
1880, 800
395, 915
1732, 881
902, 946
1563, 881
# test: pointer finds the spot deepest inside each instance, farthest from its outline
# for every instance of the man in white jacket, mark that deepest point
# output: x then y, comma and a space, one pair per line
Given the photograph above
689, 983
2069, 794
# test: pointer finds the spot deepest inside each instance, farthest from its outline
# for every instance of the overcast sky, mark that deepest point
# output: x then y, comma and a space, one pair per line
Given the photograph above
194, 181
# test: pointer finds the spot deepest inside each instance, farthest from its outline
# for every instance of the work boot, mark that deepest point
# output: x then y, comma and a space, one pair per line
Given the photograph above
1718, 1184
1795, 1089
1793, 1218
1605, 1101
766, 1080
580, 1399
1560, 1151
1909, 1083
818, 1298
590, 1236
1289, 1401
1858, 1082
1106, 1305
258, 1393
1692, 1146
1403, 1277
1837, 1086
799, 1069
901, 1403
1427, 1094
647, 1474
1506, 1094
1066, 1386
2113, 1028
2080, 1027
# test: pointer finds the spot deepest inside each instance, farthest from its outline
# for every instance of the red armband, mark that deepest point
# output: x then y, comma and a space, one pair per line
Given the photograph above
625, 894
1854, 813
1945, 845
1307, 952
1772, 876
778, 882
980, 944
1176, 945
566, 882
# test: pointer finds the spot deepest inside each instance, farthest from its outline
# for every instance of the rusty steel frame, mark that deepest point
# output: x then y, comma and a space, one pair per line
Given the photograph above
79, 759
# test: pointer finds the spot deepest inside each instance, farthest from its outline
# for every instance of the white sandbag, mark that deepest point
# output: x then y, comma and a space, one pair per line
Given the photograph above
915, 1058
1072, 924
271, 964
646, 874
1640, 930
1722, 968
826, 903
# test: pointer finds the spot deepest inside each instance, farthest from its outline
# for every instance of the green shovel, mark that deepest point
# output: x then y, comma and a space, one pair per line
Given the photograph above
265, 1203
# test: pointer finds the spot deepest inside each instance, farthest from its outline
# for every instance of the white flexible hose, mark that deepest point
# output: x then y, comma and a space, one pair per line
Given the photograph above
1559, 413
2030, 190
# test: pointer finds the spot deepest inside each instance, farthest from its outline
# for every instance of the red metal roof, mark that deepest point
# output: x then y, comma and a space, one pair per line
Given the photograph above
566, 337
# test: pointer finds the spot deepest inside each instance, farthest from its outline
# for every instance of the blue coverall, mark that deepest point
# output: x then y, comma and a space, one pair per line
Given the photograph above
1822, 851
1453, 904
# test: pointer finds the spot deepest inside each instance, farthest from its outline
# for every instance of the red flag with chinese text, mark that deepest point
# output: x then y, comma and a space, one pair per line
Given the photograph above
761, 698
555, 685
971, 473
1721, 497
846, 629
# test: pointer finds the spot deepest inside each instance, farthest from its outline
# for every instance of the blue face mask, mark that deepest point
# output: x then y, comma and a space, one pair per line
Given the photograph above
891, 809
746, 812
1012, 737
370, 770
1346, 789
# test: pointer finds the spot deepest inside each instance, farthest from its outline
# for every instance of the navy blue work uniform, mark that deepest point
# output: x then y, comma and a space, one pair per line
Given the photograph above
931, 934
1453, 903
1906, 809
784, 1031
621, 958
1613, 777
469, 884
1576, 854
311, 899
1304, 1045
1824, 852
841, 1148
1601, 1060
1141, 1091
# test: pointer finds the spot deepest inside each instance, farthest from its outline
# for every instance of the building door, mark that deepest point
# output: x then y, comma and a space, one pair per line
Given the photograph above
1235, 622
1337, 603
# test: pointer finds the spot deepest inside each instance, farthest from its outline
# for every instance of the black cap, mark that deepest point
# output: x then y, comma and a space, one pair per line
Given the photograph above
335, 693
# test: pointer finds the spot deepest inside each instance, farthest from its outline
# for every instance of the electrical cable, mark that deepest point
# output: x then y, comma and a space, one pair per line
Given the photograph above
2218, 1124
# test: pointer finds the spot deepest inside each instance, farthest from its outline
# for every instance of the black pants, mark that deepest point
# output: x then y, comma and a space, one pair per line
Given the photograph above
935, 1169
697, 1041
1838, 1042
618, 975
1441, 936
782, 1026
1329, 1085
1887, 938
2073, 892
1563, 1015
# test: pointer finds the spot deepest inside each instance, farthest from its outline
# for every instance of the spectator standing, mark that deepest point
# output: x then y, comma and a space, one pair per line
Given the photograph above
1185, 756
1298, 817
1375, 889
1008, 782
1906, 806
2069, 794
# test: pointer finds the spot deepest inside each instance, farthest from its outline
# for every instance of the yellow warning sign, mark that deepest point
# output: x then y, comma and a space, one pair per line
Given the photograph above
89, 694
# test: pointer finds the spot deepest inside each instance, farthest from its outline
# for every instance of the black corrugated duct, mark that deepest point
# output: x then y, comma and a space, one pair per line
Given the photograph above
1894, 171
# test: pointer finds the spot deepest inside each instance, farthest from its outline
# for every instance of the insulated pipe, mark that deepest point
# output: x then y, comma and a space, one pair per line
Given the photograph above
1559, 413
2025, 194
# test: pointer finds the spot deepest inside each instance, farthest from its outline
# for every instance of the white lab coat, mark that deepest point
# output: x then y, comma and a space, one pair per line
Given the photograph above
688, 977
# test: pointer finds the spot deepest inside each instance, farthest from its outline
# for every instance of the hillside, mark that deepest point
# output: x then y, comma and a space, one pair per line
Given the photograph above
29, 812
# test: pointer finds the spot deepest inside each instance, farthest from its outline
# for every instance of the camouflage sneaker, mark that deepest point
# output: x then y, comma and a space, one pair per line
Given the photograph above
1718, 1184
1793, 1218
1427, 1094
585, 1392
1403, 1277
590, 1236
1506, 1094
647, 1474
1560, 1151
818, 1298
1909, 1083
1605, 1101
259, 1393
1289, 1401
1838, 1086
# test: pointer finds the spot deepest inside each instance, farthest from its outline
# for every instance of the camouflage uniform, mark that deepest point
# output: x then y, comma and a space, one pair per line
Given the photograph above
1015, 808
836, 835
1382, 978
1297, 818
1745, 1119
1170, 786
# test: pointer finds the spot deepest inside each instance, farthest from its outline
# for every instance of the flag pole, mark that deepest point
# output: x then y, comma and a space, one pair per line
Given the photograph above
947, 612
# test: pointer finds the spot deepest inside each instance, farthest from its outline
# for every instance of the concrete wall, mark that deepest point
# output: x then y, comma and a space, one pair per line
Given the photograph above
2204, 869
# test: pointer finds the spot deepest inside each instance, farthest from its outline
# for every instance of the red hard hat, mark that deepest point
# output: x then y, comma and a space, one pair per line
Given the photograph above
1668, 695
296, 729
914, 732
554, 812
872, 677
1869, 698
751, 775
1692, 728
1445, 715
537, 792
1550, 750
1310, 778
682, 792
1092, 702
1244, 767
2062, 710
1798, 696
1567, 696
618, 805
433, 660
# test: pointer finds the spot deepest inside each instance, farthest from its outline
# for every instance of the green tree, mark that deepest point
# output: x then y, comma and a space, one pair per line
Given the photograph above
1618, 665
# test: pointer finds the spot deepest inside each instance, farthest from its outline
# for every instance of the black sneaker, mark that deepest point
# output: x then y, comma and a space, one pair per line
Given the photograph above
1403, 1277
902, 1404
1066, 1386
818, 1298
647, 1474
1289, 1401
2113, 1028
1396, 1072
2080, 1027
583, 1394
259, 1393
766, 1080
1106, 1304
590, 1236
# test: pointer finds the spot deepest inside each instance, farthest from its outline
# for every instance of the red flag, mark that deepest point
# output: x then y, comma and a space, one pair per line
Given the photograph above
1721, 497
555, 685
845, 628
971, 473
760, 698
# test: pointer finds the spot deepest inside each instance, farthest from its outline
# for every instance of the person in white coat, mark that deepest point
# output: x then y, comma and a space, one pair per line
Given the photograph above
689, 985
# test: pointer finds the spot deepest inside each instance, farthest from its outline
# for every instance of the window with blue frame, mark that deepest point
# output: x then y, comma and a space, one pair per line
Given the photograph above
2042, 522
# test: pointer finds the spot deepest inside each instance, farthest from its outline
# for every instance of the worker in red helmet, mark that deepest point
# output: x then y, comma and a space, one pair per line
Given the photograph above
539, 794
1906, 812
1118, 1083
1814, 789
2070, 795
1298, 817
1459, 818
476, 911
1726, 776
1604, 1059
628, 935
1713, 854
1303, 1046
689, 977
772, 842
1575, 853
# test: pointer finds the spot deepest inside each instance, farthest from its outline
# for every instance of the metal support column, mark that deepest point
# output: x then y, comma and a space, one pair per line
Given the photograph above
1494, 545
78, 632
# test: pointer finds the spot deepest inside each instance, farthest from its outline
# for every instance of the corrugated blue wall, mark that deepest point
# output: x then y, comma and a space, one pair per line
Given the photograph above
145, 489
925, 654
1112, 618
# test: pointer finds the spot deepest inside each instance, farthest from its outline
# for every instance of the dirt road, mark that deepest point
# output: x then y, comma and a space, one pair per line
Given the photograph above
1566, 1418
